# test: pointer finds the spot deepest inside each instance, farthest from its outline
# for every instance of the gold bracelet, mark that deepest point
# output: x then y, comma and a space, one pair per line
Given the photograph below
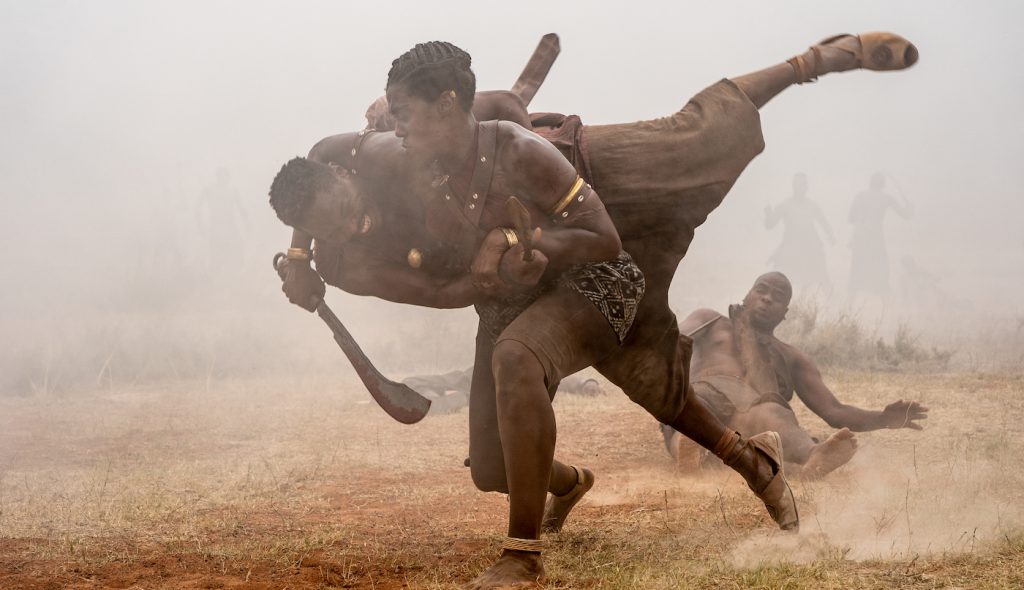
529, 545
510, 237
297, 254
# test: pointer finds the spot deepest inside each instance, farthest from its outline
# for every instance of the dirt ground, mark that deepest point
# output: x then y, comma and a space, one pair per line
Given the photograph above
293, 483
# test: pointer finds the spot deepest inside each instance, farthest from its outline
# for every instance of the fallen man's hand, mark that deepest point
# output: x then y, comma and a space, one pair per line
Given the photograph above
901, 414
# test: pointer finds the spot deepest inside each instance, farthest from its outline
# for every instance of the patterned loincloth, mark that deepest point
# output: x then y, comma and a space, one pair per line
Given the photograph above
615, 287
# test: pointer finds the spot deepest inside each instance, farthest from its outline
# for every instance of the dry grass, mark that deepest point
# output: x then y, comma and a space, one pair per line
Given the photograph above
302, 484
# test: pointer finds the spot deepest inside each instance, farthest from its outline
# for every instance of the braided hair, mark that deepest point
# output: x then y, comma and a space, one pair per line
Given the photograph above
428, 69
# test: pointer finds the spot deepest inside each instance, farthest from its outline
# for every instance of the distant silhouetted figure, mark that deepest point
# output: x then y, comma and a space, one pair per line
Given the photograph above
801, 253
869, 267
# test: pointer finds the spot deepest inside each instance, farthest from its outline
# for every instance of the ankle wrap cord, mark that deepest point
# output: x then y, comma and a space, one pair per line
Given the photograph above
529, 545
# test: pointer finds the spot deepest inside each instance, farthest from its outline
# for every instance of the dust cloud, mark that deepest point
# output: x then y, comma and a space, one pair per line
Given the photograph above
885, 507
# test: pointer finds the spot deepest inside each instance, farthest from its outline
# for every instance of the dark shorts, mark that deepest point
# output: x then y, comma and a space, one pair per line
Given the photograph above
567, 333
582, 318
727, 396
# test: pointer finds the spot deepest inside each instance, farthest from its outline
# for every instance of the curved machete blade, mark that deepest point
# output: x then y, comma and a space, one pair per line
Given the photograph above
400, 401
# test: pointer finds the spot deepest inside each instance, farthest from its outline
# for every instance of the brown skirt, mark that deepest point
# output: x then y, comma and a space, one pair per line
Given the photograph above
659, 180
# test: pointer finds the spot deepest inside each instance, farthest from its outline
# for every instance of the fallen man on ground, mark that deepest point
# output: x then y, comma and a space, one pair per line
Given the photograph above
747, 377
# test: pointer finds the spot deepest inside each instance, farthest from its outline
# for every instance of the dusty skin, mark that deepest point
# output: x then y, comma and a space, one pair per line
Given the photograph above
832, 453
268, 484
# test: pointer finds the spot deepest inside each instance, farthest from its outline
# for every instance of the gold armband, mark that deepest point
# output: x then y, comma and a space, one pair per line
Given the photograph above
510, 237
564, 201
298, 254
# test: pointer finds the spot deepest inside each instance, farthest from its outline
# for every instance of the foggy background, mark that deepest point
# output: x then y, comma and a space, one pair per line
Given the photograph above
127, 261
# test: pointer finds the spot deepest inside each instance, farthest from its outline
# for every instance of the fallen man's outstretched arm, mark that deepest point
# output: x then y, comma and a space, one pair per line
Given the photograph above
820, 399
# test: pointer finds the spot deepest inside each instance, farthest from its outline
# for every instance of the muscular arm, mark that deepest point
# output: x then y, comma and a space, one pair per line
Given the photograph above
362, 275
544, 177
820, 399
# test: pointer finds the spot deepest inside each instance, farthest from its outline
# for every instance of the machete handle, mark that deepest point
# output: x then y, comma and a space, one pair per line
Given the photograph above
280, 265
521, 218
397, 399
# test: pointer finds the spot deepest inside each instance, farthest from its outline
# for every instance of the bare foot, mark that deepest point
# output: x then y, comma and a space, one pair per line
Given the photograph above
514, 569
827, 456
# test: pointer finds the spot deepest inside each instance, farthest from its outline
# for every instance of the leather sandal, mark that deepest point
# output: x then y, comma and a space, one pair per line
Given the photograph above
777, 495
557, 508
879, 51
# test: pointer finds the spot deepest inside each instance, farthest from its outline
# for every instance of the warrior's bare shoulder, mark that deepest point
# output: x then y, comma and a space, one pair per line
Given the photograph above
375, 149
531, 166
700, 322
500, 105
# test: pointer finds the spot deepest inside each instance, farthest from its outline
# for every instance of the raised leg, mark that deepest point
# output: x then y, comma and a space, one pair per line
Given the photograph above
873, 51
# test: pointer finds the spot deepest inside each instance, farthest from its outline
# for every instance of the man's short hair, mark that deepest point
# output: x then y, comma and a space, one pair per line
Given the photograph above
428, 69
295, 185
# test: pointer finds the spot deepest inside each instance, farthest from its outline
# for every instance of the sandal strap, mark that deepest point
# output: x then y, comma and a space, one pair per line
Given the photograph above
809, 72
729, 447
579, 477
576, 486
806, 71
